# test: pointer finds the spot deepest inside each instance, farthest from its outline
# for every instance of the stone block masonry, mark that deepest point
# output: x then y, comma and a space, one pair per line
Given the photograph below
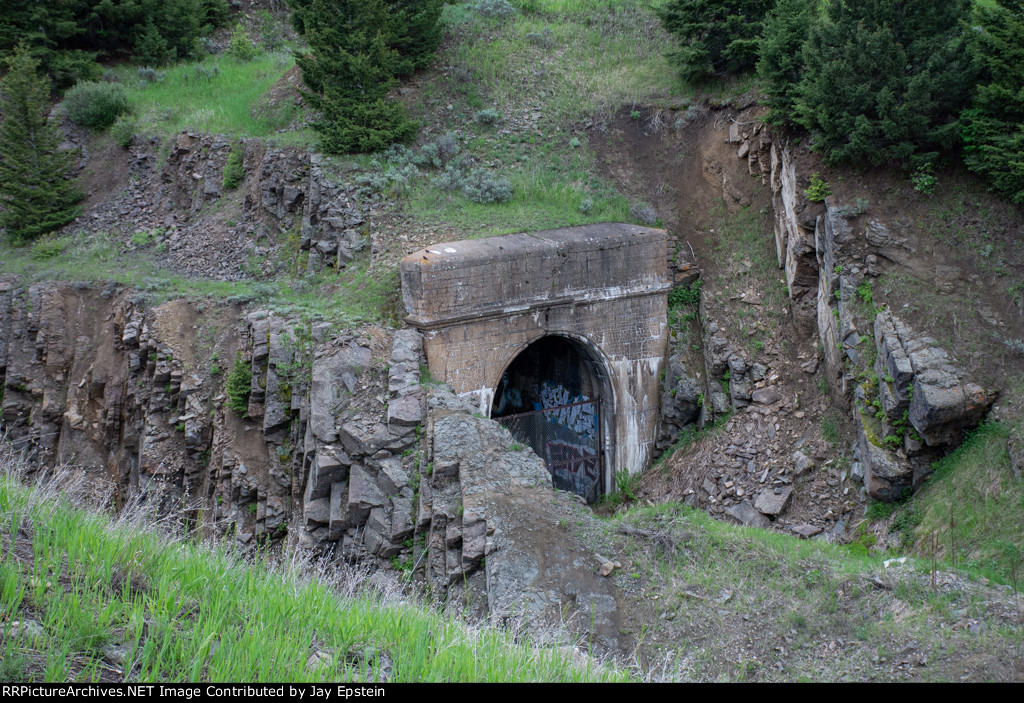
480, 303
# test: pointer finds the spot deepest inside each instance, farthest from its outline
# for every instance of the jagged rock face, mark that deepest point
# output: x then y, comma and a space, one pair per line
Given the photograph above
128, 394
919, 386
485, 498
680, 401
181, 204
795, 221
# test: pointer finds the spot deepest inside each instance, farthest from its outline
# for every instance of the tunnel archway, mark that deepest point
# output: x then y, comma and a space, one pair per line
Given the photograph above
555, 395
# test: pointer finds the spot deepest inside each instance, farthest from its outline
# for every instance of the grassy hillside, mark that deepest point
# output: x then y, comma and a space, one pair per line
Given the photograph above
710, 601
87, 598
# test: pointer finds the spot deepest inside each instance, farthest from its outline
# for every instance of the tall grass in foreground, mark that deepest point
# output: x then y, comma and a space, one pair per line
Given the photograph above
86, 597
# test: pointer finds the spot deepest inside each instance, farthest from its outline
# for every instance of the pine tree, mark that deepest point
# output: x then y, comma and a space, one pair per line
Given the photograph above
993, 129
780, 62
884, 80
36, 196
349, 70
416, 32
715, 37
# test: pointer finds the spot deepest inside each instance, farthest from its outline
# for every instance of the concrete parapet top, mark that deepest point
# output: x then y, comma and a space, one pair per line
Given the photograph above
500, 275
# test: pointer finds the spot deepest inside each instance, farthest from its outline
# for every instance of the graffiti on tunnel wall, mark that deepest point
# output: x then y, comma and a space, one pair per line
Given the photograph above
581, 419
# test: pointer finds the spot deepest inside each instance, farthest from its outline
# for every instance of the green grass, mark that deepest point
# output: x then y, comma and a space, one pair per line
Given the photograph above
769, 599
973, 488
582, 59
221, 104
184, 612
354, 295
545, 197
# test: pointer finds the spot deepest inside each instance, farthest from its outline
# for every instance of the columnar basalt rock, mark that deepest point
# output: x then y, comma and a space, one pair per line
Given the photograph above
923, 407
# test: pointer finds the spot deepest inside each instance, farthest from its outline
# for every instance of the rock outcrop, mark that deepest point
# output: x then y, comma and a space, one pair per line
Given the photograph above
916, 407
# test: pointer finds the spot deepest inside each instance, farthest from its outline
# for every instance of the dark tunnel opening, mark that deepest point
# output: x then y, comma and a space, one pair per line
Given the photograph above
551, 399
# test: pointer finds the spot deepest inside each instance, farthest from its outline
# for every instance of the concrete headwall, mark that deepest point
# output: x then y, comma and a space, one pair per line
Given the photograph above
479, 303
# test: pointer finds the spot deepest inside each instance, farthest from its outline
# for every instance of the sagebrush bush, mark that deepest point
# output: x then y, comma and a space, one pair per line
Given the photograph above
644, 212
494, 8
451, 178
149, 75
488, 116
481, 186
123, 131
96, 105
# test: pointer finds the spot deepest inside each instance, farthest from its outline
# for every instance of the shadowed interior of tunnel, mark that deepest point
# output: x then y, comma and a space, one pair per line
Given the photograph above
555, 398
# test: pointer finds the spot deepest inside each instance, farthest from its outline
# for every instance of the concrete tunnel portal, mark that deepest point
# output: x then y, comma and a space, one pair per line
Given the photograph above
560, 335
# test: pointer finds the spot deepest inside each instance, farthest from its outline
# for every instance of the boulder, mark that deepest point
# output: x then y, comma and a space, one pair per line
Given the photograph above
745, 514
774, 501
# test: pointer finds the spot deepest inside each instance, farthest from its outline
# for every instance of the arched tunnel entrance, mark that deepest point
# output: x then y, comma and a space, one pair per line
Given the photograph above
555, 396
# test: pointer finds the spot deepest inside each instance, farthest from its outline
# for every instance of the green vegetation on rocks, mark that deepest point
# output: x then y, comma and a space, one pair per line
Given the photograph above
239, 386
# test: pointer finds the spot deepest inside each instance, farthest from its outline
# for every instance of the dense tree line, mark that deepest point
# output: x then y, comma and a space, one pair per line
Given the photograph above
69, 37
874, 81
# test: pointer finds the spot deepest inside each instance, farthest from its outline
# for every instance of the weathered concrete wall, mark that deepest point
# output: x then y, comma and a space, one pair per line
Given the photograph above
479, 303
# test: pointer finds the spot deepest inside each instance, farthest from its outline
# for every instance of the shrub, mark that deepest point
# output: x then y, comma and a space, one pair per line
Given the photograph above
96, 105
451, 178
494, 8
684, 296
50, 248
487, 116
586, 205
644, 213
482, 187
123, 131
149, 75
819, 189
201, 74
241, 46
239, 386
234, 172
924, 180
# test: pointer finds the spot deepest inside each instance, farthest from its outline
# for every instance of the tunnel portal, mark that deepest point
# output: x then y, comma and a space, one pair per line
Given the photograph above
575, 314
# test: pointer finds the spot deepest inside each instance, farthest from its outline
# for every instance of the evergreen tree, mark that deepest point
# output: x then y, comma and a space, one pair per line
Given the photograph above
416, 32
356, 50
151, 48
780, 62
993, 129
715, 37
36, 196
885, 79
